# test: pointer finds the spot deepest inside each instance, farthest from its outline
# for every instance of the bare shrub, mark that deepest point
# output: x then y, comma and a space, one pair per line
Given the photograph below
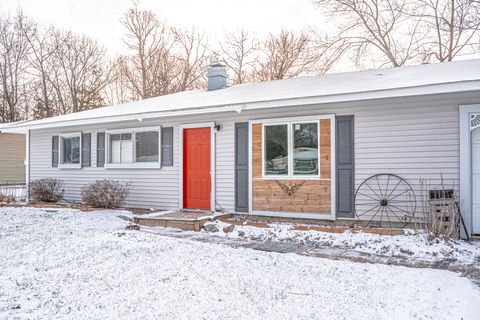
105, 193
47, 189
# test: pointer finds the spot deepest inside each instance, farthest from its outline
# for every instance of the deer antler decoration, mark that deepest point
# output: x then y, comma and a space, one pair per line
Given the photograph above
290, 190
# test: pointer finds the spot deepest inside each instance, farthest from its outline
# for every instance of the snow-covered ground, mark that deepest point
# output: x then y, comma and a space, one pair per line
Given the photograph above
70, 264
411, 245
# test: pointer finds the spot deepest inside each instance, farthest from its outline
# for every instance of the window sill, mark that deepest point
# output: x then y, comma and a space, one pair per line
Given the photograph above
136, 165
70, 166
293, 178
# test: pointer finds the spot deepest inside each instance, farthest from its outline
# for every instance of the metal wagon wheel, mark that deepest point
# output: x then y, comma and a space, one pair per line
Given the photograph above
385, 200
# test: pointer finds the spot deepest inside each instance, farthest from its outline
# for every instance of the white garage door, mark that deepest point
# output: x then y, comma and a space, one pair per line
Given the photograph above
476, 180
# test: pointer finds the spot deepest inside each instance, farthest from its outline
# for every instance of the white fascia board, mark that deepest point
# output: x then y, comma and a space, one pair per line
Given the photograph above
444, 88
131, 117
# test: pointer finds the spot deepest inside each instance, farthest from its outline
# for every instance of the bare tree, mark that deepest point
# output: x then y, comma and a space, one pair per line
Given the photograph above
239, 52
41, 54
80, 72
376, 29
164, 60
118, 89
14, 50
191, 59
46, 71
149, 39
452, 28
286, 55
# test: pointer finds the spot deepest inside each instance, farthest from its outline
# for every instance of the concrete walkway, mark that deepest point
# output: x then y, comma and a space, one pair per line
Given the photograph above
471, 271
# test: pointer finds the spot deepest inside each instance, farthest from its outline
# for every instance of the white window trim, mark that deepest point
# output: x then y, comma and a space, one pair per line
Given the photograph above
133, 164
328, 216
290, 143
60, 150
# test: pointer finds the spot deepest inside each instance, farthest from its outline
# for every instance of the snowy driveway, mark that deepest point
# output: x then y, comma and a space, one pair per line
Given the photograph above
69, 264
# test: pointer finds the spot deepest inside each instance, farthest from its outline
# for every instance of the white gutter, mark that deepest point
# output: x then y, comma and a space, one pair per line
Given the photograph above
131, 117
443, 88
456, 87
4, 126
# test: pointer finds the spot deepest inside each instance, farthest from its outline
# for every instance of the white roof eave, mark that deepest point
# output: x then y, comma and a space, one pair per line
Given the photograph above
442, 88
121, 118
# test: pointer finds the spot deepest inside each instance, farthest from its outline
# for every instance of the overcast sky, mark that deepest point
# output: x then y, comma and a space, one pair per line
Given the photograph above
100, 18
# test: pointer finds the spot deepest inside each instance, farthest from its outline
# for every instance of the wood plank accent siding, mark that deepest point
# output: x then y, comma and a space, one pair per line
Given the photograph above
12, 157
257, 151
325, 150
314, 196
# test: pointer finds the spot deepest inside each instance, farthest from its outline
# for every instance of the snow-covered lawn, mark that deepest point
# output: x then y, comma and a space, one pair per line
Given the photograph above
70, 264
412, 246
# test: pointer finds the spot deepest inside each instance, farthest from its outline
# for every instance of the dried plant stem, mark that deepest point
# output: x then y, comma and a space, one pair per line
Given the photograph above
440, 216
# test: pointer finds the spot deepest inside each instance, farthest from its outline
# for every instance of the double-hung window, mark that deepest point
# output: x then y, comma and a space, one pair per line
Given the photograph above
291, 149
120, 148
138, 147
70, 150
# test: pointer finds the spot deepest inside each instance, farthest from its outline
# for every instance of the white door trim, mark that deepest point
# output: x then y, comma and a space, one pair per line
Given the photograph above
210, 125
465, 166
27, 165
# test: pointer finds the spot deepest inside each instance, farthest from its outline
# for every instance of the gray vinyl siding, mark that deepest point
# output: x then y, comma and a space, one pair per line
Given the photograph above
414, 141
225, 164
150, 188
413, 137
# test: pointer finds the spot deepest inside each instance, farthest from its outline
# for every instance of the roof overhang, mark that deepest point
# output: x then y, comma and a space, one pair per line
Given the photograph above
122, 118
443, 88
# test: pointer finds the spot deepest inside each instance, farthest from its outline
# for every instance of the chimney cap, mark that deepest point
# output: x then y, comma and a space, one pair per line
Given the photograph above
216, 65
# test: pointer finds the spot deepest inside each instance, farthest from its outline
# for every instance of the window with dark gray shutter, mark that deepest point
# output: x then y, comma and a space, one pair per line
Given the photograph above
86, 149
167, 146
55, 151
100, 149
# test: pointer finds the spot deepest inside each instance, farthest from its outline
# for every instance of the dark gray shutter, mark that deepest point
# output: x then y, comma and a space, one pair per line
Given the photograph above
241, 167
167, 146
86, 149
100, 149
55, 151
344, 166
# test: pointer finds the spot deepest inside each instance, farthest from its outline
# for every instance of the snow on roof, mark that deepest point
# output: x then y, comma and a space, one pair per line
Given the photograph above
336, 86
11, 124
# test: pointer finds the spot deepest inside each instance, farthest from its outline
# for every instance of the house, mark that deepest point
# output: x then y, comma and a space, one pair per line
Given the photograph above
295, 148
12, 157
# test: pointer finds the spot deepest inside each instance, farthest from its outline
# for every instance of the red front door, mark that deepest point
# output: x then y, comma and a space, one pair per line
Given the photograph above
196, 168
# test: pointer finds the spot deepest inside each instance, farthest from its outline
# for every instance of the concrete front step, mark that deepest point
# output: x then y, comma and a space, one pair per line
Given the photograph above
179, 220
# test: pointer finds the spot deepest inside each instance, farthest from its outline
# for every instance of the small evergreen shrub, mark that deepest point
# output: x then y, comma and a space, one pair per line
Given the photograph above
105, 193
47, 189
